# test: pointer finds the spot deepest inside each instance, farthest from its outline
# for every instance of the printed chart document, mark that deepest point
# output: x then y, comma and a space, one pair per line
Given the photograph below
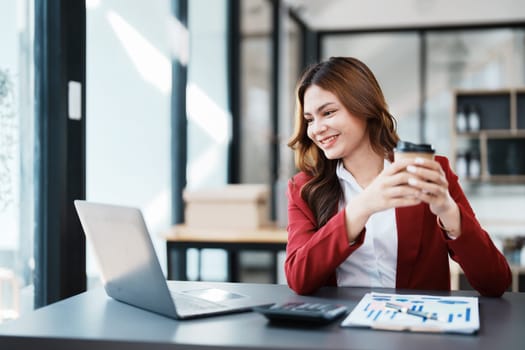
417, 313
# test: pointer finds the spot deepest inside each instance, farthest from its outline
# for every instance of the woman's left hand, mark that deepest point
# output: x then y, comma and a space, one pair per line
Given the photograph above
430, 179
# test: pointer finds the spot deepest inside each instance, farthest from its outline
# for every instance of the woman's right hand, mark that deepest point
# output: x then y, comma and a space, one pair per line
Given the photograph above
389, 189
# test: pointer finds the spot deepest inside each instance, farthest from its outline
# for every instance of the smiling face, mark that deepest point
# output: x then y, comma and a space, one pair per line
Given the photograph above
348, 114
338, 133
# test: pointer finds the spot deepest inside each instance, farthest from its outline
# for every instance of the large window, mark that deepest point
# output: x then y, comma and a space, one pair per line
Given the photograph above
16, 158
130, 46
128, 79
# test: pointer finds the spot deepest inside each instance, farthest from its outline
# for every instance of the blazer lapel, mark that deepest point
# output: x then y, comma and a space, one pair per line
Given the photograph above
409, 222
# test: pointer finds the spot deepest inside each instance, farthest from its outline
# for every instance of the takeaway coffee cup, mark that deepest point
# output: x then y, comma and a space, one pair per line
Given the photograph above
406, 149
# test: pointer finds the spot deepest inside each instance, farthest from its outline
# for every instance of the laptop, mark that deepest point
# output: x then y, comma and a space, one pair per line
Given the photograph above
131, 272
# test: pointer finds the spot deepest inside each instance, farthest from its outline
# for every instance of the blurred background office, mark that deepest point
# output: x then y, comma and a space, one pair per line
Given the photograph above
131, 102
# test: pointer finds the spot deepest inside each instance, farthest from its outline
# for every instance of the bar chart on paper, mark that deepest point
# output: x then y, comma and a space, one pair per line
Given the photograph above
424, 313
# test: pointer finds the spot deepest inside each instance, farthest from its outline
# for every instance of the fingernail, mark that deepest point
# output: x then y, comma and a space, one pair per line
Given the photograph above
411, 169
419, 160
412, 181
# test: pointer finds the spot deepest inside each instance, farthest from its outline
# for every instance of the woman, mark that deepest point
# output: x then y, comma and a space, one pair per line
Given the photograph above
356, 217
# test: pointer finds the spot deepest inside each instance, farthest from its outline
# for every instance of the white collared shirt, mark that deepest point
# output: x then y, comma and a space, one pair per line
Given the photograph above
374, 263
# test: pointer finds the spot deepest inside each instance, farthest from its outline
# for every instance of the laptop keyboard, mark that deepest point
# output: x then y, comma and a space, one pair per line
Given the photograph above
186, 304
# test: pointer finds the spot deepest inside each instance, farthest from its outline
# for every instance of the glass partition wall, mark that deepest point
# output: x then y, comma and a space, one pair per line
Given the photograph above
489, 59
468, 72
415, 66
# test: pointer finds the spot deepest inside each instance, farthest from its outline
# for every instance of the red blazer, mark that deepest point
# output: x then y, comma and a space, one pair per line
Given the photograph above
422, 252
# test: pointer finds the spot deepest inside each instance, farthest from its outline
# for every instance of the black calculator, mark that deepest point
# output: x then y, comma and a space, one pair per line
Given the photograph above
302, 312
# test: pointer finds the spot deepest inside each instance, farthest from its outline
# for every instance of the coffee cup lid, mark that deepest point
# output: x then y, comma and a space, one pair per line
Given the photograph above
405, 146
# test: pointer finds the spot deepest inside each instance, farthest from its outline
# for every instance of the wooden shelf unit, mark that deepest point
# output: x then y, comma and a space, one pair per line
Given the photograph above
500, 140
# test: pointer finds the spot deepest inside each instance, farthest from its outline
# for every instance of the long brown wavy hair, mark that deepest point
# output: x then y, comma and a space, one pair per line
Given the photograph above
356, 87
